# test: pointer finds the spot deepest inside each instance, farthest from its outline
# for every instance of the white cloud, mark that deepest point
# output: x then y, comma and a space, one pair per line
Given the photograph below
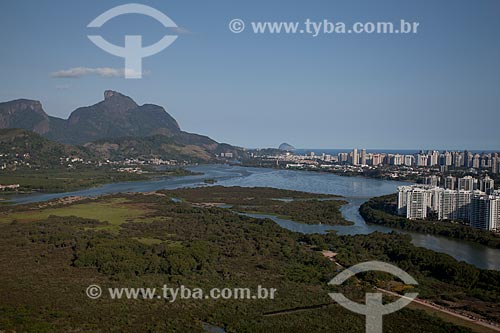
78, 72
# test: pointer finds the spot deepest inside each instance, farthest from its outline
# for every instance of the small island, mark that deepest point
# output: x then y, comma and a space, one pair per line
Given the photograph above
287, 147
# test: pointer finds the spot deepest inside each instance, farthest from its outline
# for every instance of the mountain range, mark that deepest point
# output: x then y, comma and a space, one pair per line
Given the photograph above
115, 127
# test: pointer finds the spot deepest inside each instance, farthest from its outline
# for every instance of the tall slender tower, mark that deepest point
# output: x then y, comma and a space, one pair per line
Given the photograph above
363, 156
355, 156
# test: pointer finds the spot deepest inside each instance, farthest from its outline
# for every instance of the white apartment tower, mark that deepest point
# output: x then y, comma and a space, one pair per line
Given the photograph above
449, 182
466, 183
448, 209
409, 160
434, 158
355, 156
487, 185
363, 156
414, 201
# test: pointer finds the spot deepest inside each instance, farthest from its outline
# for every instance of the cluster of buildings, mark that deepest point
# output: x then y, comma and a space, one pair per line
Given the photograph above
456, 159
466, 199
388, 165
467, 183
145, 161
226, 155
13, 160
396, 165
9, 187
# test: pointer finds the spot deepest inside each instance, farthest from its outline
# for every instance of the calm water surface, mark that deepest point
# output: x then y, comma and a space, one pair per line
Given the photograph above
355, 190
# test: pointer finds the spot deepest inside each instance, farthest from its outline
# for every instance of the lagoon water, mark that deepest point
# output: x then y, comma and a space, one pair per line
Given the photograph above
356, 190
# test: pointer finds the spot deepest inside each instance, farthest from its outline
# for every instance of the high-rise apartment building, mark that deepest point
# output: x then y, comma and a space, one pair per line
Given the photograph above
418, 201
487, 185
377, 159
432, 180
448, 208
397, 159
409, 160
485, 212
467, 183
414, 201
363, 156
422, 160
450, 182
463, 204
355, 156
458, 159
468, 157
476, 161
343, 157
434, 158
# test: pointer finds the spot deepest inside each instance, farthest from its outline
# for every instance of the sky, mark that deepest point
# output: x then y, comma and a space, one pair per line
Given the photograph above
437, 89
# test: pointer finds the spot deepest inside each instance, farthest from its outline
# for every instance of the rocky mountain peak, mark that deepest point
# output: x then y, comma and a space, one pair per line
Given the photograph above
115, 101
24, 104
109, 93
114, 117
24, 113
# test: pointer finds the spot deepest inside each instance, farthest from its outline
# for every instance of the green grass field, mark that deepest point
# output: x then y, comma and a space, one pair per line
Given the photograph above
115, 211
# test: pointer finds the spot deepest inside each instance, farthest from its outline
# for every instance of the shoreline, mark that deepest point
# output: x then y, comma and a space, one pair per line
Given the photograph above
350, 175
147, 176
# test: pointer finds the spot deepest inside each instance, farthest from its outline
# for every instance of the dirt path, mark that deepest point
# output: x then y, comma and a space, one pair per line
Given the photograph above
443, 310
